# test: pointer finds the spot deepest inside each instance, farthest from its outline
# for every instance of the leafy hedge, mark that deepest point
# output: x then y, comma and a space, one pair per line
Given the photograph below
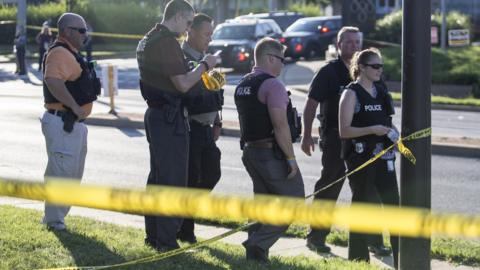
309, 10
389, 28
126, 17
36, 15
456, 66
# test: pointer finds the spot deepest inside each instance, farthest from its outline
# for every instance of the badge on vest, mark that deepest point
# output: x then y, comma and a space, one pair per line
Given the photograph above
359, 147
390, 166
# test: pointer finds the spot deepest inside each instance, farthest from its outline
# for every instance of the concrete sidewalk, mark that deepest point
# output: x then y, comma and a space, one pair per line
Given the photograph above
284, 247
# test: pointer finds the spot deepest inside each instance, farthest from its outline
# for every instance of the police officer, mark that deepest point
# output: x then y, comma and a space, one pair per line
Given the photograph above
70, 86
164, 79
365, 125
263, 104
20, 44
204, 119
325, 89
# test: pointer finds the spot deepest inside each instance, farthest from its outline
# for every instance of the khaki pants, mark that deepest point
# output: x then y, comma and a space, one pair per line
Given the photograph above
66, 157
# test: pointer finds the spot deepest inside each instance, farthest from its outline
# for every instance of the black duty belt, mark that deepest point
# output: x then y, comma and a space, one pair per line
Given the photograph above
257, 144
156, 104
61, 113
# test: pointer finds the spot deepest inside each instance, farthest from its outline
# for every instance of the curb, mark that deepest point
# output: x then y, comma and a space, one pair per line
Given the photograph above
434, 106
442, 149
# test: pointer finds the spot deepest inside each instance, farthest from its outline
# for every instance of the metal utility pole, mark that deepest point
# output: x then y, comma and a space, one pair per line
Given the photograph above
415, 187
21, 15
272, 5
21, 33
444, 26
221, 13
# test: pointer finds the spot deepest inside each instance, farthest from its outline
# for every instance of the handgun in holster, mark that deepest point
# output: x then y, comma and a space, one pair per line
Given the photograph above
69, 118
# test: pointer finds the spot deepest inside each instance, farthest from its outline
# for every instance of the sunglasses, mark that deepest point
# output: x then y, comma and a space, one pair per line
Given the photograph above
375, 66
80, 30
282, 59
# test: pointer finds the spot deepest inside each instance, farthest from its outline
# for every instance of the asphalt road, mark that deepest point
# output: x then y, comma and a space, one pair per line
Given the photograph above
444, 122
119, 157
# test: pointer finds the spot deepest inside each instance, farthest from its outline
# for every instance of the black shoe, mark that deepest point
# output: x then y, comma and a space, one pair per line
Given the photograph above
255, 253
317, 246
151, 243
380, 250
191, 239
160, 248
163, 249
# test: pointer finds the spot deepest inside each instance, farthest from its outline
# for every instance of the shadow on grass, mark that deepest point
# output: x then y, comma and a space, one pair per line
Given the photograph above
85, 250
240, 262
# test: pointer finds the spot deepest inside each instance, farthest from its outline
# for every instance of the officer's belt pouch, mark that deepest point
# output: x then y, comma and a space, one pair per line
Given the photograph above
352, 148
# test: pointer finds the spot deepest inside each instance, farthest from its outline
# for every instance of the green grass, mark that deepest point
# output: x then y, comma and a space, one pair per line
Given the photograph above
26, 244
459, 251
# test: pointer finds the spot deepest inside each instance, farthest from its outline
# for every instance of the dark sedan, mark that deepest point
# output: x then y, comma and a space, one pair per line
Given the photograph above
237, 39
310, 37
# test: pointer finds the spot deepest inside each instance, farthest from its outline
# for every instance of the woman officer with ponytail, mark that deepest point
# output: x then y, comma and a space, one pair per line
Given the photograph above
365, 126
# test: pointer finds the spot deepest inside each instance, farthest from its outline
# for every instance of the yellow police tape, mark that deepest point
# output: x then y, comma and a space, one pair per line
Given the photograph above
96, 34
7, 22
275, 210
268, 209
160, 256
401, 148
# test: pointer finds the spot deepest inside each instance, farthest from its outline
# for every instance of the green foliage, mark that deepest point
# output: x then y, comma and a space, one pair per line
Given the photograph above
124, 17
389, 28
476, 89
36, 15
455, 20
456, 66
309, 10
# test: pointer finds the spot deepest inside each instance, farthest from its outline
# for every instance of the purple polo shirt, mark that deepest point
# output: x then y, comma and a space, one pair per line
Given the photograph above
272, 92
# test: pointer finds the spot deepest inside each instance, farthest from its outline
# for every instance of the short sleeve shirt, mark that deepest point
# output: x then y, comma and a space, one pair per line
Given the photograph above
163, 58
327, 87
61, 64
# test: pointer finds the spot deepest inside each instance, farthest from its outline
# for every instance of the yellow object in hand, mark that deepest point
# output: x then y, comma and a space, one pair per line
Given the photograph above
213, 80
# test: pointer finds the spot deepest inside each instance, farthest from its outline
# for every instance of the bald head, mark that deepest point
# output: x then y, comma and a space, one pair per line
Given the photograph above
68, 20
72, 27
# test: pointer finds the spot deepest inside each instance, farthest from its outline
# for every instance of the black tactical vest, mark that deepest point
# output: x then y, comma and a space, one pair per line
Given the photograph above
206, 101
255, 123
85, 89
150, 89
372, 111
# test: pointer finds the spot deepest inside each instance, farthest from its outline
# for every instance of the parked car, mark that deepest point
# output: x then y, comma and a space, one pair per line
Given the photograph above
237, 39
283, 18
310, 37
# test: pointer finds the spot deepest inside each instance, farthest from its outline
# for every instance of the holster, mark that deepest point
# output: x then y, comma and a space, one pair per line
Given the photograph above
69, 119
